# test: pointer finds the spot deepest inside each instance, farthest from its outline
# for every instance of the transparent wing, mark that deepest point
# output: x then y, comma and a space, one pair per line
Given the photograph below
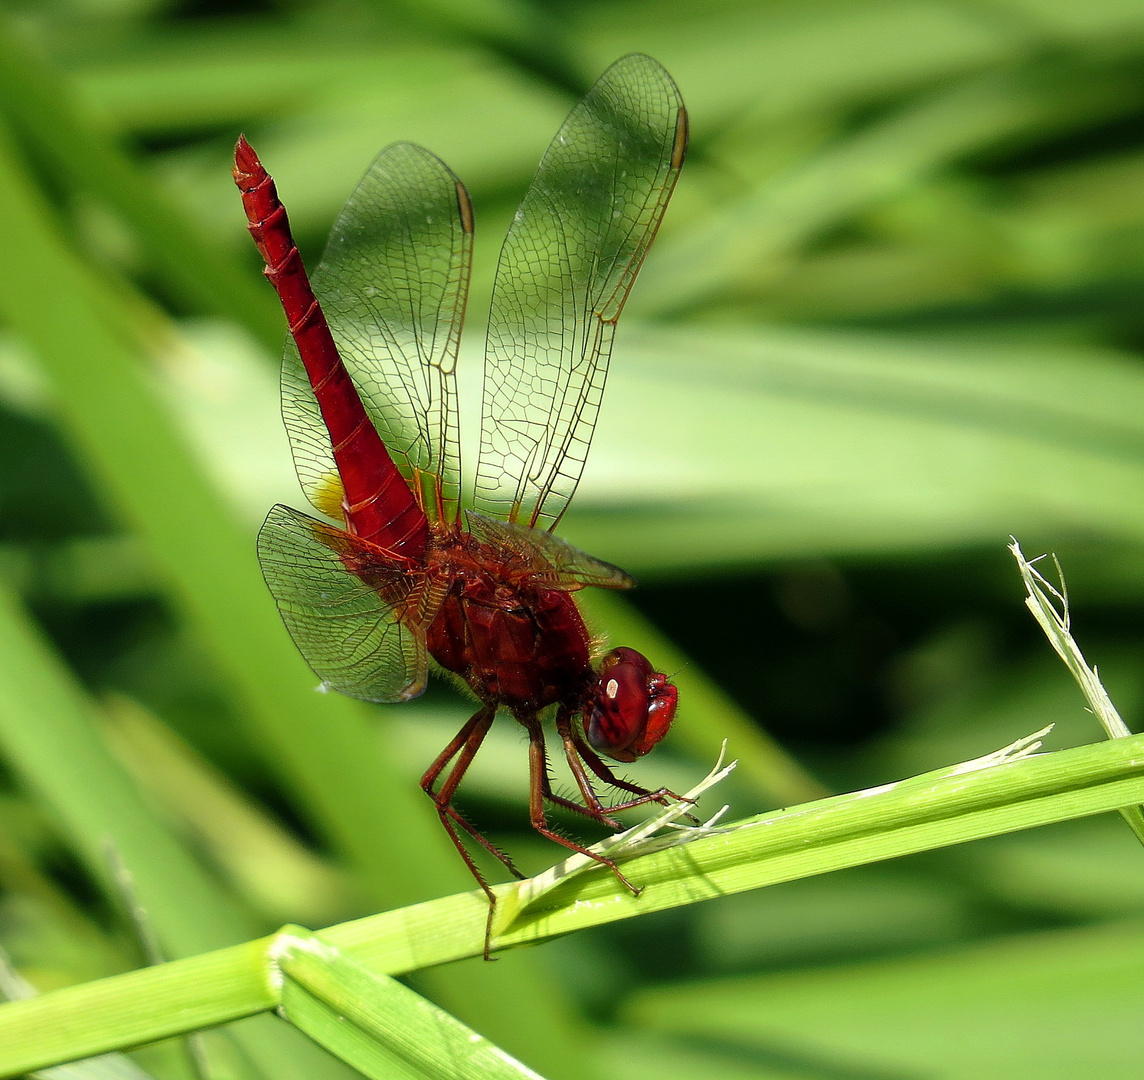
548, 559
351, 629
393, 284
565, 270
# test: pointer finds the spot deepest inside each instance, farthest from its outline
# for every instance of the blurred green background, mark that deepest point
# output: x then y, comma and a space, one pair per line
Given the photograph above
892, 318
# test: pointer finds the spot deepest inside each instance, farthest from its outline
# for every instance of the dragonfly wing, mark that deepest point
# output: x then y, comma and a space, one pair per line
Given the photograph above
349, 626
393, 284
565, 270
554, 562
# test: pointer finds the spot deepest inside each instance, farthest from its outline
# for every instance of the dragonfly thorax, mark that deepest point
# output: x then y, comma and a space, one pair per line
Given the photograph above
513, 642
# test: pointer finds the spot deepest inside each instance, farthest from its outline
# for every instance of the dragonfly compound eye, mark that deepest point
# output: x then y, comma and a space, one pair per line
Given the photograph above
632, 706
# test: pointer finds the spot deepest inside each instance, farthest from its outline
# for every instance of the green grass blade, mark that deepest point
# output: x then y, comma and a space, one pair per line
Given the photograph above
349, 1042
48, 734
262, 861
1000, 793
1055, 1005
378, 1025
13, 987
1050, 607
138, 1007
752, 236
792, 444
320, 742
949, 806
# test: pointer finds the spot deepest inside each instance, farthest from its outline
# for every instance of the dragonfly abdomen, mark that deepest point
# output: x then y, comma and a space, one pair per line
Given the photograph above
378, 504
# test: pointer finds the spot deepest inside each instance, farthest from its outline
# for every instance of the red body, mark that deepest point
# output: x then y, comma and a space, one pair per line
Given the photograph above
512, 641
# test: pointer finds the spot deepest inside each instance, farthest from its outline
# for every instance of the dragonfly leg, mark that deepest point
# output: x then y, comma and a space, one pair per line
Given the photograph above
538, 784
594, 808
474, 870
579, 808
465, 743
430, 776
643, 795
580, 753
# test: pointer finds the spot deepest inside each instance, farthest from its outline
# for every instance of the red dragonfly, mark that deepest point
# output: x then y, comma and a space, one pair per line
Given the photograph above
369, 399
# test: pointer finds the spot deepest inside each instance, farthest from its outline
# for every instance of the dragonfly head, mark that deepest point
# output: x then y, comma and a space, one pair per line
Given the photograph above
631, 706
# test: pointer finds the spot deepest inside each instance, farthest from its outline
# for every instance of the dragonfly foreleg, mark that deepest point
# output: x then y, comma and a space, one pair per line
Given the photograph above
540, 788
579, 753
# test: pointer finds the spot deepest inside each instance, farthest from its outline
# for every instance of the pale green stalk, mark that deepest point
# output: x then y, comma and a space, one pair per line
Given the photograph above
1050, 607
1004, 792
379, 1026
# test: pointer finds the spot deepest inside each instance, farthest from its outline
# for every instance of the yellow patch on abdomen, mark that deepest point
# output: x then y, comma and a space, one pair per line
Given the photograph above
328, 496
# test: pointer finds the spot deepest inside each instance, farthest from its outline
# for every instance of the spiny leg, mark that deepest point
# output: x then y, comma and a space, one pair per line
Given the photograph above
538, 782
596, 813
466, 743
592, 807
643, 795
475, 871
429, 778
577, 808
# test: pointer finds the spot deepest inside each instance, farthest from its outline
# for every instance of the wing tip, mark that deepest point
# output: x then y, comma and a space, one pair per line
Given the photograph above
682, 139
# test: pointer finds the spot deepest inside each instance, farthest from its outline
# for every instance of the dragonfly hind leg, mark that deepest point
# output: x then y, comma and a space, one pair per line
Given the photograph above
464, 747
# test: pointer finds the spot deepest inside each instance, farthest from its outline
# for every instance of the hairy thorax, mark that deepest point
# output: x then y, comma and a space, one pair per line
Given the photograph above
504, 629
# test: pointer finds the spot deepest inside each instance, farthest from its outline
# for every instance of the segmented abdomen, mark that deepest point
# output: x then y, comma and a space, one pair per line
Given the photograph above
378, 504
